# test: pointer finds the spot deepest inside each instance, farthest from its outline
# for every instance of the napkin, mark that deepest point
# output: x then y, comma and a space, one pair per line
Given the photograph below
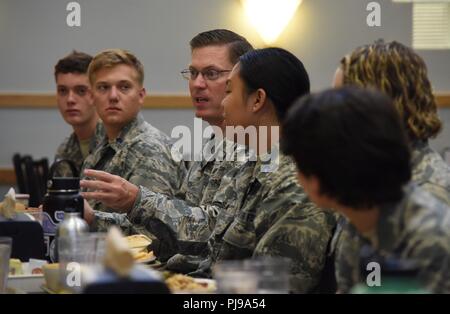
118, 255
8, 207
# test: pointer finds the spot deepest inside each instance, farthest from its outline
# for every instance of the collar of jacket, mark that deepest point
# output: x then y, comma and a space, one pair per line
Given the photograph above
418, 150
126, 134
390, 223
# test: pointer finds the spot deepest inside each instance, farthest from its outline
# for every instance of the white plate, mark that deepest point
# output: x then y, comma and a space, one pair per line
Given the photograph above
27, 282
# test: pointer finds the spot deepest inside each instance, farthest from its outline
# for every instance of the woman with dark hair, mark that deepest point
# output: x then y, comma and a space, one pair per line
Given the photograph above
399, 72
365, 176
280, 220
272, 215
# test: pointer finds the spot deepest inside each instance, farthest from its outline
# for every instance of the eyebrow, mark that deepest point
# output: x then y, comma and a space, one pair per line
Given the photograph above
119, 82
208, 67
76, 86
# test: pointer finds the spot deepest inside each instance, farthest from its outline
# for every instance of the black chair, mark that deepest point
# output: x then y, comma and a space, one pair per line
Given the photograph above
31, 176
27, 237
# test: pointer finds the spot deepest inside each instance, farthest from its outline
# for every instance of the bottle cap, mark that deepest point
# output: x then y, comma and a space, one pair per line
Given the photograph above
63, 184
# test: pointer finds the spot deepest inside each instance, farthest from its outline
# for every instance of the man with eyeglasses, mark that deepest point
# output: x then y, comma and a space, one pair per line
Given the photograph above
190, 216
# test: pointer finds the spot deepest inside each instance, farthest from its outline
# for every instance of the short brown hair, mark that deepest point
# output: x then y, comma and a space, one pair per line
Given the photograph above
402, 74
113, 57
237, 45
75, 62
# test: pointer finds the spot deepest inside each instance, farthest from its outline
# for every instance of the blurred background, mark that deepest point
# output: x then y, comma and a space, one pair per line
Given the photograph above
34, 35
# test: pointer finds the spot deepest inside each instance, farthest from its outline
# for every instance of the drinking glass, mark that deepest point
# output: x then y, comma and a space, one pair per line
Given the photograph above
5, 255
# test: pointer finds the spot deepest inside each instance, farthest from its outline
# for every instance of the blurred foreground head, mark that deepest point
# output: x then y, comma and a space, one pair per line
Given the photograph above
349, 146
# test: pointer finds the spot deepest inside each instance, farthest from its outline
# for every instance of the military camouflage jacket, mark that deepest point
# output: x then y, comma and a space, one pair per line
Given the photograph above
188, 214
191, 214
140, 154
416, 228
429, 172
70, 149
270, 216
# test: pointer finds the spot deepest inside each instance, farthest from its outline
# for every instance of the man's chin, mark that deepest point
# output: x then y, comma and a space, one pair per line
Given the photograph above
113, 121
208, 116
74, 121
202, 114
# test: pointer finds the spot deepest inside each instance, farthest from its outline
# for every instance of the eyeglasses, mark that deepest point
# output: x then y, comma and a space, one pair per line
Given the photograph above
208, 74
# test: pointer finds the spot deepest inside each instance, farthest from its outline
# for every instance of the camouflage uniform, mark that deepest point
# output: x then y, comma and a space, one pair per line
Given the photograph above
70, 149
270, 216
429, 172
140, 154
191, 214
417, 228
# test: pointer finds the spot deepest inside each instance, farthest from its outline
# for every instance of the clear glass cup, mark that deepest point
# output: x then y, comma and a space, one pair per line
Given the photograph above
5, 255
79, 253
273, 274
235, 277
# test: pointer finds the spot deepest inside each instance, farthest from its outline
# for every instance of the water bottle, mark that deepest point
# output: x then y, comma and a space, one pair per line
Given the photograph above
63, 195
68, 232
72, 225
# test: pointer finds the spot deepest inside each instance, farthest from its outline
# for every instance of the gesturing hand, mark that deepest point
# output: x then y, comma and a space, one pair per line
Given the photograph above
113, 191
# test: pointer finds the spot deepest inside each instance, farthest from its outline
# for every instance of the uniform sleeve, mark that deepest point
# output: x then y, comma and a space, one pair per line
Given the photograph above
302, 235
433, 252
187, 221
347, 248
155, 169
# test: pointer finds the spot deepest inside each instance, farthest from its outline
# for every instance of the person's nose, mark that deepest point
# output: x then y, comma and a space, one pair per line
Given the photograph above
113, 94
71, 97
199, 81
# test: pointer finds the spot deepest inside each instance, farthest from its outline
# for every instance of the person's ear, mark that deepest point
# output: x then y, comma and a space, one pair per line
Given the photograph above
314, 183
258, 100
311, 185
90, 96
142, 94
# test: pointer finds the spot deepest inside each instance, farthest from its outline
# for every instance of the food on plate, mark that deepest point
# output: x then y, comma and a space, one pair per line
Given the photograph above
138, 241
138, 244
15, 267
37, 271
183, 283
143, 256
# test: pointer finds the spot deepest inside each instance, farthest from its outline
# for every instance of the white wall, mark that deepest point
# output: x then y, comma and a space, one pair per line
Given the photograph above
34, 35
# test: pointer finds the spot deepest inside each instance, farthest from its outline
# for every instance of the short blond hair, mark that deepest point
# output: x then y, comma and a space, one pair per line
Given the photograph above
401, 73
113, 57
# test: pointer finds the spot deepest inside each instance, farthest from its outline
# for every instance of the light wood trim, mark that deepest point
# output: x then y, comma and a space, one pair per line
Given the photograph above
167, 102
7, 176
49, 101
150, 102
443, 100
